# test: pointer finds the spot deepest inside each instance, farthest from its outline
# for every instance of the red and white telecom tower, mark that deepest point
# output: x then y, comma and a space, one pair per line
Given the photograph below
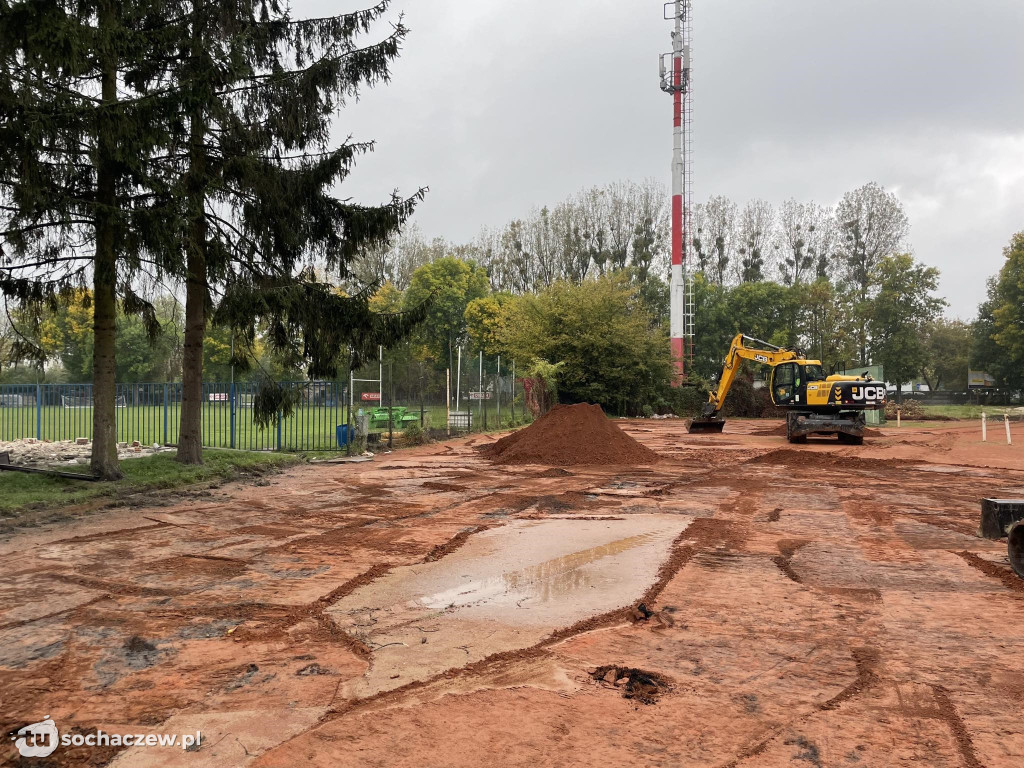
675, 79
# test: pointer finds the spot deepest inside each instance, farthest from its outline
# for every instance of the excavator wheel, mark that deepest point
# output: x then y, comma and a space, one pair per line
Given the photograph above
791, 436
849, 439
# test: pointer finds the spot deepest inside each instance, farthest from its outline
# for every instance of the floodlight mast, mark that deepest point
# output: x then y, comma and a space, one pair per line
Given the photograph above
675, 79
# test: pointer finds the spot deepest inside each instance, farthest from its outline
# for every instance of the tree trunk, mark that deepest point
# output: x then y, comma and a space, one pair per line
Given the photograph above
190, 432
104, 373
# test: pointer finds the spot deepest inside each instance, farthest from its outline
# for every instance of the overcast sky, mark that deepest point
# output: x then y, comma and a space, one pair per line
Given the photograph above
502, 106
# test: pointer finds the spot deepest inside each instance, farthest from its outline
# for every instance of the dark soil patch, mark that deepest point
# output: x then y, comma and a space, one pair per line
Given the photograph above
201, 566
555, 472
637, 684
311, 670
138, 645
436, 486
570, 435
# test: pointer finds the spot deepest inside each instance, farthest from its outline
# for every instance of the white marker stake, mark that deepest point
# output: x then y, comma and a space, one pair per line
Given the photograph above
984, 428
899, 418
1006, 421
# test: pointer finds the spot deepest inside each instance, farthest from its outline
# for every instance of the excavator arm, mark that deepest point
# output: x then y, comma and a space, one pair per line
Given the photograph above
743, 347
740, 350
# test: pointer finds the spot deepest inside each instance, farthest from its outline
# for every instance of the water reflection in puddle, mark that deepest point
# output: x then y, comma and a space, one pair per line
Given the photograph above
546, 581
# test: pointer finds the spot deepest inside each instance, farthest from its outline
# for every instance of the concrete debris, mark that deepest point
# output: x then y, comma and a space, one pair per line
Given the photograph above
41, 454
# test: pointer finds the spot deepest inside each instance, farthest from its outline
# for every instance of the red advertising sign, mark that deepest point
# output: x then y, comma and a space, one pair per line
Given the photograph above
375, 396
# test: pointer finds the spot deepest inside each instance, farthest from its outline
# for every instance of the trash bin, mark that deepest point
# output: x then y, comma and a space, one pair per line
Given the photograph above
343, 437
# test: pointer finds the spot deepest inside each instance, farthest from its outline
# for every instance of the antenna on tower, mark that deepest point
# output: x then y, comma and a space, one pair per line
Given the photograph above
676, 80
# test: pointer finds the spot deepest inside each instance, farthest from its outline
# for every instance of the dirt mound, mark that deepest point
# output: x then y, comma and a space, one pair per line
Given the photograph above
554, 472
570, 435
804, 460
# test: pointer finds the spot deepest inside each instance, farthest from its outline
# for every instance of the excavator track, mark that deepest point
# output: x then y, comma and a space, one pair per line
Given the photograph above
848, 427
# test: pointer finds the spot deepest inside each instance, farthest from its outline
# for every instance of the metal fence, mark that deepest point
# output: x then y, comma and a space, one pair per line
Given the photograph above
391, 396
150, 414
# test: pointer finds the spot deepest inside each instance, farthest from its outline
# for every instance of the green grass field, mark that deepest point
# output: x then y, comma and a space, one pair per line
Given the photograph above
23, 493
972, 411
309, 428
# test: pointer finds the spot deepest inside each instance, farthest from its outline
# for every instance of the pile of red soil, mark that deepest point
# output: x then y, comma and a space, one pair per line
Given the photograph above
570, 435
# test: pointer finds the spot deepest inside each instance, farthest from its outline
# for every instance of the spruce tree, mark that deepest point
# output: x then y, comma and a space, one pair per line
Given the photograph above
252, 170
75, 144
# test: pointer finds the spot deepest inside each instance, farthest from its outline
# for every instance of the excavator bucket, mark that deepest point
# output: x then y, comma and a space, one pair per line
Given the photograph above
703, 425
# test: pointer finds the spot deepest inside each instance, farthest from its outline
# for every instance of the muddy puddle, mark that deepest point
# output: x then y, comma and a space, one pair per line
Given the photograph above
505, 589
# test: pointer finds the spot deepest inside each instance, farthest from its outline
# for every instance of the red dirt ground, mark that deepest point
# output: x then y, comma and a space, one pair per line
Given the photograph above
570, 435
828, 605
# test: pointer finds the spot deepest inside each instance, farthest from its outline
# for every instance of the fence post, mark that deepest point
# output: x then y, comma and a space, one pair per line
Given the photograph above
391, 405
164, 443
280, 423
351, 427
39, 411
232, 395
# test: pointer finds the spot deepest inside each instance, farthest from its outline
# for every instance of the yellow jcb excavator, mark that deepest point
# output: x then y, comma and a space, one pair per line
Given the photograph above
817, 404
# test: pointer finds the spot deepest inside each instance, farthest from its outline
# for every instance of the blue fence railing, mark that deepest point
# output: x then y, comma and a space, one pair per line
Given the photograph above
150, 413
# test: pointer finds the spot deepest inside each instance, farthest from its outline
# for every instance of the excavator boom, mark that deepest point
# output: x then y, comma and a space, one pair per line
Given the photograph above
741, 349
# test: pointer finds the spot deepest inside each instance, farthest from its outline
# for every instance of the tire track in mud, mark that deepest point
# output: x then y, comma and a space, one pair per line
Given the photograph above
949, 713
1009, 579
23, 622
110, 588
454, 543
866, 660
783, 561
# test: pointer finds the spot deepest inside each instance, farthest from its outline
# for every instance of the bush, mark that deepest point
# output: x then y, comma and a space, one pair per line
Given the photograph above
647, 411
414, 434
689, 399
746, 401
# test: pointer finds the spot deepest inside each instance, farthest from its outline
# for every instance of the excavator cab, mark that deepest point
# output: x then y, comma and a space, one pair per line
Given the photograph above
785, 384
789, 382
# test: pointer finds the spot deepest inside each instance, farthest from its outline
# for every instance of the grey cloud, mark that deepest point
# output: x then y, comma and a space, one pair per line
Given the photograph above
502, 106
